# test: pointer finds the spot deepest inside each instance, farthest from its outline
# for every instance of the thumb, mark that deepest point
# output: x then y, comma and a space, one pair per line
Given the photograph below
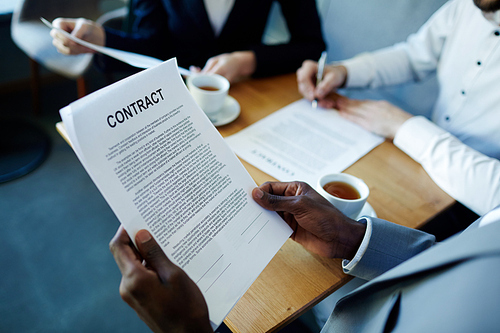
277, 203
81, 29
152, 252
326, 86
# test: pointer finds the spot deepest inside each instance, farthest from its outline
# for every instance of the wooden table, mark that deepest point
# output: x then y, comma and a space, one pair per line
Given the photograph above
295, 280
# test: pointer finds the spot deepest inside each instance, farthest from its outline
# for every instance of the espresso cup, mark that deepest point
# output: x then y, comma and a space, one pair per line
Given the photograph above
209, 91
346, 192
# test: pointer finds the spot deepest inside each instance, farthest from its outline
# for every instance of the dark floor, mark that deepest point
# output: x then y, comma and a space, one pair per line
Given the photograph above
57, 272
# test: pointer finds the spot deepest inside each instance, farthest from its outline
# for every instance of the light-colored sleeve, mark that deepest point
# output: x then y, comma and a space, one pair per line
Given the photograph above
385, 246
411, 60
465, 174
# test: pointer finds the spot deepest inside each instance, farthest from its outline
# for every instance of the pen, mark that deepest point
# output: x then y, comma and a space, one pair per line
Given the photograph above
319, 76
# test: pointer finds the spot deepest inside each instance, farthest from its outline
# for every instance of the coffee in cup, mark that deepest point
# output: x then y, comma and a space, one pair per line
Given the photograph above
209, 88
346, 192
342, 190
209, 91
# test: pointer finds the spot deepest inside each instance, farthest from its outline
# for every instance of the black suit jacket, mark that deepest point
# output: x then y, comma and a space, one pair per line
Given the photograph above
181, 28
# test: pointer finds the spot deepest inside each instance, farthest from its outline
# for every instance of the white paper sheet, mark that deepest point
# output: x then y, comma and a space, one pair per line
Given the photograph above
133, 59
300, 142
162, 166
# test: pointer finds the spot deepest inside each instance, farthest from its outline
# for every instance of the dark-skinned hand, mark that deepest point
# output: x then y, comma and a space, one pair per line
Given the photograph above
161, 293
317, 224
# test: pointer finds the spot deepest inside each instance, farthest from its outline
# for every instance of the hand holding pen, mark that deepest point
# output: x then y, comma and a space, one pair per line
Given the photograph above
318, 82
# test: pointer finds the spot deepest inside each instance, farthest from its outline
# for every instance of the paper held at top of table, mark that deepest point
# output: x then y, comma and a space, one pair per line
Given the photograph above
133, 59
302, 143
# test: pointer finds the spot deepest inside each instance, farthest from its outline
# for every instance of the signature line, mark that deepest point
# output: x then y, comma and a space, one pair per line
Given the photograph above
251, 224
208, 270
258, 231
218, 277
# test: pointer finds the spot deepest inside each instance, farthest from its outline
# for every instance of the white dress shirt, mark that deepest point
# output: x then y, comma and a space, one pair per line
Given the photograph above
463, 48
218, 11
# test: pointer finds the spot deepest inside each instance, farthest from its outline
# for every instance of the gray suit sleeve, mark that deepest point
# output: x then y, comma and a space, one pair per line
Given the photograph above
390, 244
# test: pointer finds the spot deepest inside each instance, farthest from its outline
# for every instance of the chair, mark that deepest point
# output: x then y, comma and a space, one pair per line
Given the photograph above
33, 37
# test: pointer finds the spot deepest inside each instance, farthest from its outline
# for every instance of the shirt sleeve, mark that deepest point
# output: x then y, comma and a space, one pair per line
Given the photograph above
464, 173
347, 265
384, 246
412, 60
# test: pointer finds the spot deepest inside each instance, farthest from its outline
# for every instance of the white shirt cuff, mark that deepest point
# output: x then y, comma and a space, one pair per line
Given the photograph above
347, 265
415, 135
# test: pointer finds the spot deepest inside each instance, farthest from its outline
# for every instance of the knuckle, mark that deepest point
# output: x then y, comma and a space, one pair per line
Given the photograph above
307, 62
112, 246
132, 288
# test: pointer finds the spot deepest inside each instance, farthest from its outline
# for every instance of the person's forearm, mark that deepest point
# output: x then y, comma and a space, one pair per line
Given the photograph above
385, 67
389, 245
465, 174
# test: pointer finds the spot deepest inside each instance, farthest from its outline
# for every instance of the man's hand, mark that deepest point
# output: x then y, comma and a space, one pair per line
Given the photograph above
379, 117
317, 224
333, 77
161, 293
234, 66
82, 28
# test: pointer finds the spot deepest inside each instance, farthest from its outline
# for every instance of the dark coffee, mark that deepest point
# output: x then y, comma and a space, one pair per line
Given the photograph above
208, 88
342, 190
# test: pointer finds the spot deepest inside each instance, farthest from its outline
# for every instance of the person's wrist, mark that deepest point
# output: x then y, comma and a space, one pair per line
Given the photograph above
404, 116
350, 239
342, 73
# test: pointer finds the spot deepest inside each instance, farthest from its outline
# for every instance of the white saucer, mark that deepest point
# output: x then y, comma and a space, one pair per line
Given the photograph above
229, 112
367, 211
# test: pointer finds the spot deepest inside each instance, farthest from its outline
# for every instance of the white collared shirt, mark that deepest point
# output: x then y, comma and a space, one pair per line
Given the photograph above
463, 48
218, 11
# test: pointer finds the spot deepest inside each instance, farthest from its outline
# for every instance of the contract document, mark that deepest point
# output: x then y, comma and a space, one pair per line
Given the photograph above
302, 143
162, 166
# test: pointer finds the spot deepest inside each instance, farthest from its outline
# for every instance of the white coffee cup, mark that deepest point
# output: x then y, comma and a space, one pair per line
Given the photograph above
350, 207
209, 91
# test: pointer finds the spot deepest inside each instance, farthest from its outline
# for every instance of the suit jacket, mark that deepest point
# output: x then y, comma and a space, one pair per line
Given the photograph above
452, 287
181, 28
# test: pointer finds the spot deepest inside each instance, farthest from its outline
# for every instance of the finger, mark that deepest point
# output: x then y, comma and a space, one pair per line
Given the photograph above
277, 196
327, 85
64, 24
326, 103
61, 48
153, 254
83, 29
306, 78
126, 257
63, 44
210, 64
194, 69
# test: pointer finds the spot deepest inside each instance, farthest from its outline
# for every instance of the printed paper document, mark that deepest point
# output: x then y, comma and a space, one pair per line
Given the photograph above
300, 142
162, 166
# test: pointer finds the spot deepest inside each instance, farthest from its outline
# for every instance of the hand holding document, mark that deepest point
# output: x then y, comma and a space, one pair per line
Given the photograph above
300, 142
133, 59
162, 166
